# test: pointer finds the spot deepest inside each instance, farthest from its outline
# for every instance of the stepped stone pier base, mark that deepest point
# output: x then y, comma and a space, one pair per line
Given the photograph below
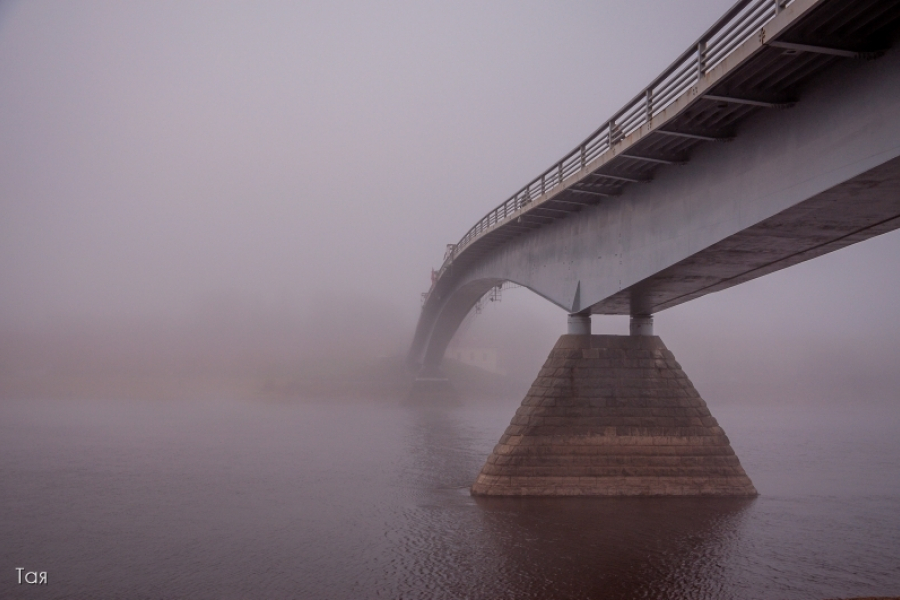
612, 415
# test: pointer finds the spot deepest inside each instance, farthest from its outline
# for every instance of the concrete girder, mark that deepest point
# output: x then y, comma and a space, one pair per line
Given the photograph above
793, 185
704, 137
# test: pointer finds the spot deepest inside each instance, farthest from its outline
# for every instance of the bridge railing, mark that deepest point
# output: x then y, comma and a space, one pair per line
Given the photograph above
739, 24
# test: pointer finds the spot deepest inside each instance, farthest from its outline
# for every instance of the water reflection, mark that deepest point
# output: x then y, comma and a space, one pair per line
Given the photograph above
613, 547
441, 447
362, 500
559, 547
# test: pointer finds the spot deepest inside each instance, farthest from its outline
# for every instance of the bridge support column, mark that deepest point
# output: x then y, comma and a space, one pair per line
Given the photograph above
641, 325
612, 415
579, 324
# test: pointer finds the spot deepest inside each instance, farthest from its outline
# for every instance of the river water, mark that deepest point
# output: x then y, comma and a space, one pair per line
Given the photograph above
355, 500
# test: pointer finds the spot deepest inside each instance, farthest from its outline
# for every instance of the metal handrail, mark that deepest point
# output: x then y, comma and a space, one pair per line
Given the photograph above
735, 27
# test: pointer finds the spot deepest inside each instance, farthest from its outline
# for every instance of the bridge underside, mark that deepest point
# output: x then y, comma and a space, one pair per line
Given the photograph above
863, 207
793, 185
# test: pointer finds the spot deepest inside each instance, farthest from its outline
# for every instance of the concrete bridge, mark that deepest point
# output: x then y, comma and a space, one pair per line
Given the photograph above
775, 138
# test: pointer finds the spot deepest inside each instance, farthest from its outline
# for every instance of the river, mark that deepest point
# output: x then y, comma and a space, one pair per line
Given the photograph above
354, 500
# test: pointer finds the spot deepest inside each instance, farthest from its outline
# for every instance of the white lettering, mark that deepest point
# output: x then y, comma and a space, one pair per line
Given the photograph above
32, 577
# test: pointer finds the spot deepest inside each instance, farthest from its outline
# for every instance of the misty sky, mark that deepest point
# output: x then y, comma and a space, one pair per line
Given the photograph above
154, 155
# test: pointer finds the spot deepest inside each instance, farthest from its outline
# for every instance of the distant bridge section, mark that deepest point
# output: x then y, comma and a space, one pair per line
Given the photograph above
655, 208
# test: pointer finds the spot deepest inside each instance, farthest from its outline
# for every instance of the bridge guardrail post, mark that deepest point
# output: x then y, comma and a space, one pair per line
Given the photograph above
701, 60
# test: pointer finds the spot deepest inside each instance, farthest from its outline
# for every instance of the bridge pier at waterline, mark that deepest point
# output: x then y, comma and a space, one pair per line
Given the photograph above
616, 414
612, 415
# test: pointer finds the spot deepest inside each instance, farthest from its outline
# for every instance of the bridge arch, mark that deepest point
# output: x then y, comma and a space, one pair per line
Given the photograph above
789, 186
435, 333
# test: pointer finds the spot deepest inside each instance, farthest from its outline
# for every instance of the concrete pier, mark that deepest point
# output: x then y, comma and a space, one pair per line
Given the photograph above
611, 416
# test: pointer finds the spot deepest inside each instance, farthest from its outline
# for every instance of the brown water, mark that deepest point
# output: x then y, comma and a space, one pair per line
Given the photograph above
352, 501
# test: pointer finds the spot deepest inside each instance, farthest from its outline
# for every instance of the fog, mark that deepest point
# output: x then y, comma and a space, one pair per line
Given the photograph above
227, 187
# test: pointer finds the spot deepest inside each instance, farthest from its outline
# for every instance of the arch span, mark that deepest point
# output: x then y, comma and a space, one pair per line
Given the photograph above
795, 184
434, 332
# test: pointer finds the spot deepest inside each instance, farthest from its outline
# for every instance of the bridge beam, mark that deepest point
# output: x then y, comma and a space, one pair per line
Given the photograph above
844, 53
772, 103
703, 137
794, 185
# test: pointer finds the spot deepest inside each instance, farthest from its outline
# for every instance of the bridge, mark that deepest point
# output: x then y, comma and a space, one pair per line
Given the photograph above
775, 138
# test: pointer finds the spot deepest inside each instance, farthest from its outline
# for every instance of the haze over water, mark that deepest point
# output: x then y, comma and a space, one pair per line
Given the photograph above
237, 499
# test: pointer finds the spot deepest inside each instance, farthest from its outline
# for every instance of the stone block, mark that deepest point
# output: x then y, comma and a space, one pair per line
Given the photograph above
612, 415
573, 342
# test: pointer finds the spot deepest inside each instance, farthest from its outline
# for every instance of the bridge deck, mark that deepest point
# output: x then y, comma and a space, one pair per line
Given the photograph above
757, 57
822, 224
793, 184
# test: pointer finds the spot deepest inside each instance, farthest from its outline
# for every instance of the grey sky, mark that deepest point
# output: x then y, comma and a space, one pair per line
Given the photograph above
155, 154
